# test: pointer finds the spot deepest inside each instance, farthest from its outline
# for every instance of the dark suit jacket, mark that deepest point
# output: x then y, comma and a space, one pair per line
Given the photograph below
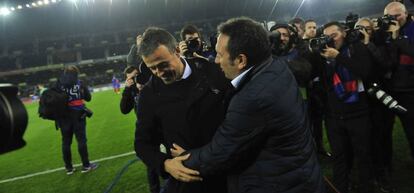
187, 113
264, 143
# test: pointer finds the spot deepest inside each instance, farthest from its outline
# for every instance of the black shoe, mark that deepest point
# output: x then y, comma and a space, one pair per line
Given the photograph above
324, 153
70, 171
92, 166
383, 184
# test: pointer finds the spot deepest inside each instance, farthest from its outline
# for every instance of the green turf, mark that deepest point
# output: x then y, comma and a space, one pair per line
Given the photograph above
108, 132
111, 133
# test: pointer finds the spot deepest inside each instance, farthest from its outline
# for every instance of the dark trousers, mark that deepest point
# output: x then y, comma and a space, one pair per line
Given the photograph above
382, 126
73, 124
406, 99
316, 115
315, 96
153, 180
349, 140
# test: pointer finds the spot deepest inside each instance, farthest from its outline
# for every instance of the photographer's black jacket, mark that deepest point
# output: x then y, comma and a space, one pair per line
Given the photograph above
403, 71
360, 66
187, 113
128, 100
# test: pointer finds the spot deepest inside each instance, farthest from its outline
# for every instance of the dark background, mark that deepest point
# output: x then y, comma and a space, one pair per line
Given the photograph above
91, 16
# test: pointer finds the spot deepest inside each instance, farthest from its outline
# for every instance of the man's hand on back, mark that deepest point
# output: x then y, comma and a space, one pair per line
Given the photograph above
177, 170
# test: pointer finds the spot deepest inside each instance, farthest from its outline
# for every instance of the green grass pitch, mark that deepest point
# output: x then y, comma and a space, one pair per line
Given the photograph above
111, 133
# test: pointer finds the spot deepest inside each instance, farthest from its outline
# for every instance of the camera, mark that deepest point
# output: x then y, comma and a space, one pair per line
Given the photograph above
354, 35
276, 43
193, 45
319, 44
351, 20
86, 113
13, 119
386, 99
385, 21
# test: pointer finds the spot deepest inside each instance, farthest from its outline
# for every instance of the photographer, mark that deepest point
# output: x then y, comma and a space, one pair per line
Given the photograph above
299, 24
287, 45
192, 44
137, 75
315, 95
402, 43
381, 115
74, 121
344, 69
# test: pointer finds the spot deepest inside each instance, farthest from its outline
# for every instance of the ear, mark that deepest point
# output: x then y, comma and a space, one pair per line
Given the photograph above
241, 61
177, 50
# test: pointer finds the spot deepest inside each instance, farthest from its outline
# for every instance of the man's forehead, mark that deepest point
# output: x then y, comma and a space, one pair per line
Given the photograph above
282, 30
331, 29
159, 55
191, 35
311, 23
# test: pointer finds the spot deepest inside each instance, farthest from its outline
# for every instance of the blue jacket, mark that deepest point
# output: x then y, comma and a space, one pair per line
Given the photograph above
264, 145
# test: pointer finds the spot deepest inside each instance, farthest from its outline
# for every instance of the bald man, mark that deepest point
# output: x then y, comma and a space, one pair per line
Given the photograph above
402, 78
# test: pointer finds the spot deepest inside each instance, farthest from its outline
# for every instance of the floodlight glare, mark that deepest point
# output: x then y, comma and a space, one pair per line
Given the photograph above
40, 3
12, 9
19, 7
46, 2
4, 11
27, 5
53, 1
34, 4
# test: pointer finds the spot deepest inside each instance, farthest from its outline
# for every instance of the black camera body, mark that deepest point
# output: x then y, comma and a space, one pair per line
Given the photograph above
13, 119
355, 35
351, 20
319, 44
275, 43
86, 113
193, 45
385, 21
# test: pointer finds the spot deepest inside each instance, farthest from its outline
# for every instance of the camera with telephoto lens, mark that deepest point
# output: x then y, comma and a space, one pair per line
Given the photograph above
13, 119
319, 44
385, 21
193, 45
386, 99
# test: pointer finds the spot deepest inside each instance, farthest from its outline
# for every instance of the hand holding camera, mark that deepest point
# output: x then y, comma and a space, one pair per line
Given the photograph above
190, 47
330, 53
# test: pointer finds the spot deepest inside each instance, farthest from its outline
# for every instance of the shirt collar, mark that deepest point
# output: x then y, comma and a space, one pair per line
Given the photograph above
236, 81
187, 70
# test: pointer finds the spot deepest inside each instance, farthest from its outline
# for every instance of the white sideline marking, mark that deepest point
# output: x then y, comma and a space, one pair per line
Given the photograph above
63, 168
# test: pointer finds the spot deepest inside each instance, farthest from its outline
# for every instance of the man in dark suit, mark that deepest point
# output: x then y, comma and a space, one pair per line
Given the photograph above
264, 145
182, 103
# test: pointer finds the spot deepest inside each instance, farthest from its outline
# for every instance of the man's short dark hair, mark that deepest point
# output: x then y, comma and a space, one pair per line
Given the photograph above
334, 23
189, 29
248, 37
71, 69
130, 69
279, 25
152, 38
298, 20
308, 21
